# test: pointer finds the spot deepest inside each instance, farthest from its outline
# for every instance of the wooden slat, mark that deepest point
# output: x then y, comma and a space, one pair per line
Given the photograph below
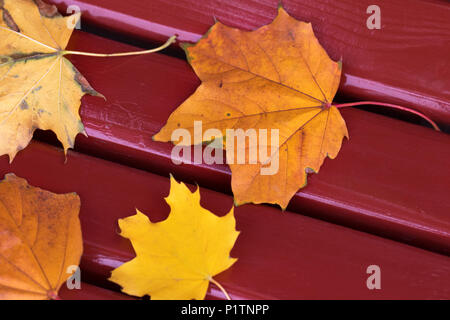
90, 292
406, 62
281, 255
391, 178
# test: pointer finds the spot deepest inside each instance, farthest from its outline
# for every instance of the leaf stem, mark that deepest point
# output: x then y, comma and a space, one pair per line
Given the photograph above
394, 106
124, 54
218, 285
53, 295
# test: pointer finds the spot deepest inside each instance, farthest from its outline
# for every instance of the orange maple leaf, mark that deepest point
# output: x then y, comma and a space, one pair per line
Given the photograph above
40, 238
276, 77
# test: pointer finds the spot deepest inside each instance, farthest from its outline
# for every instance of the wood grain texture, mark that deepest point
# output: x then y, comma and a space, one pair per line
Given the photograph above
406, 62
281, 256
391, 178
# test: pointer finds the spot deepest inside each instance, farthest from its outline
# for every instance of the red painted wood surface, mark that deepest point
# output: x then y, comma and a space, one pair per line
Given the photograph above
406, 62
90, 292
391, 178
281, 255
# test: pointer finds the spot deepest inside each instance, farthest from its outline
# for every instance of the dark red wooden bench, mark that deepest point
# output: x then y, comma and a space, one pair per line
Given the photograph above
384, 199
405, 62
281, 256
380, 181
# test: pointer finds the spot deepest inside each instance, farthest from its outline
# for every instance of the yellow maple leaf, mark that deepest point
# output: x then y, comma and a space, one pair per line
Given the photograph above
276, 77
39, 87
40, 237
178, 257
